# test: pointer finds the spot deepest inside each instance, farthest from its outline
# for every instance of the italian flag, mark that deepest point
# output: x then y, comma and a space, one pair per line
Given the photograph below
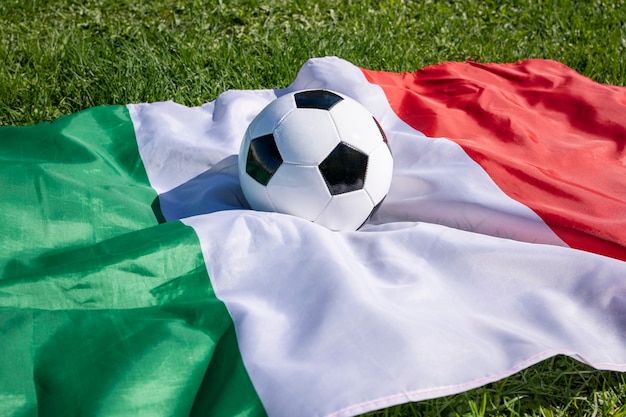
135, 281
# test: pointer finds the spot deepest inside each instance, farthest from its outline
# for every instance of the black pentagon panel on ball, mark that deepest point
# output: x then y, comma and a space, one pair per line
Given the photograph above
316, 99
263, 158
344, 169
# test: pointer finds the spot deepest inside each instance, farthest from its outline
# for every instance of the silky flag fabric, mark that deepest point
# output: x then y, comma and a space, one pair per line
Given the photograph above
540, 131
135, 280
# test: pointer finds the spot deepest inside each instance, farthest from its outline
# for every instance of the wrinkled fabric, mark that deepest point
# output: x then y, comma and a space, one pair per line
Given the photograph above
104, 311
452, 284
549, 137
136, 279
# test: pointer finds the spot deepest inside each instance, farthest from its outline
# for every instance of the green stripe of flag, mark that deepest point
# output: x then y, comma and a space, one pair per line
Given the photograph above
70, 183
104, 311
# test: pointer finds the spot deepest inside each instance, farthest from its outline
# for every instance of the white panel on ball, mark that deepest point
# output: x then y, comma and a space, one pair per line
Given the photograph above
255, 193
298, 190
243, 154
306, 136
379, 173
268, 119
356, 125
243, 151
346, 211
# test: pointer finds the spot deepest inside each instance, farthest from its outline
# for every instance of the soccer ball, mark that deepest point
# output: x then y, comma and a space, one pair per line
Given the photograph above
318, 155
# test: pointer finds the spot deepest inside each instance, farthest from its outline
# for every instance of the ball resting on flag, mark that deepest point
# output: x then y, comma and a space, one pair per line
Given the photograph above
458, 281
318, 155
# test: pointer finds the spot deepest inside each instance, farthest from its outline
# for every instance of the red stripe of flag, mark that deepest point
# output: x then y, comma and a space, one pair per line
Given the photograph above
549, 137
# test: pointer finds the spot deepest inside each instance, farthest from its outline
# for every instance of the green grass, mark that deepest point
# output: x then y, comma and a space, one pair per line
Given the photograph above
559, 386
61, 56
